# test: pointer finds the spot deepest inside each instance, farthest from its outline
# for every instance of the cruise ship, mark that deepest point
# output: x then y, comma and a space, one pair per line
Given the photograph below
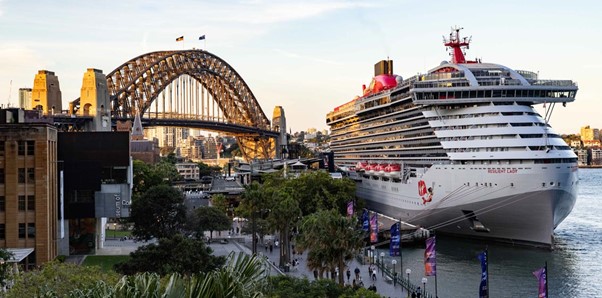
460, 149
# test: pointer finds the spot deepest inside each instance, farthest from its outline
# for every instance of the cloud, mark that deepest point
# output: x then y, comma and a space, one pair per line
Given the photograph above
307, 58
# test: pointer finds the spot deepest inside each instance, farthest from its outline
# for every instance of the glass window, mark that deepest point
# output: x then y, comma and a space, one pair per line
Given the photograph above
2, 231
31, 203
21, 147
30, 147
21, 231
2, 203
31, 175
31, 230
21, 203
21, 174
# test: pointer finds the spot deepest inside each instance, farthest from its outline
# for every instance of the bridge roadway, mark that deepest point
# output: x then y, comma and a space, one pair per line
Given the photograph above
231, 128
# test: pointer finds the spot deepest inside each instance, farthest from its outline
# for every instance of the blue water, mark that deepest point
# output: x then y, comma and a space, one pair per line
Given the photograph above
574, 266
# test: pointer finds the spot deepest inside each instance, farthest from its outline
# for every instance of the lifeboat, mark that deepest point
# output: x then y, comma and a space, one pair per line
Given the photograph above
372, 169
393, 170
380, 170
361, 166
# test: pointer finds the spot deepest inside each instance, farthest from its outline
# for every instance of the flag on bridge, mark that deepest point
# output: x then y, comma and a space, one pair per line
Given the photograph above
484, 286
430, 258
542, 276
202, 37
181, 38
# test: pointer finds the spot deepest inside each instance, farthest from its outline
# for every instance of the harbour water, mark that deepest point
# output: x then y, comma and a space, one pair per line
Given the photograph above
574, 266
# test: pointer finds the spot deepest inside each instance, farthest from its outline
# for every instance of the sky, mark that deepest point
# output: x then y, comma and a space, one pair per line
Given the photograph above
306, 56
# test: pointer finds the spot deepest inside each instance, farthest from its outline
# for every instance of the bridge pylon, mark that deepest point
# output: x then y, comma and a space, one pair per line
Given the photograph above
94, 101
46, 93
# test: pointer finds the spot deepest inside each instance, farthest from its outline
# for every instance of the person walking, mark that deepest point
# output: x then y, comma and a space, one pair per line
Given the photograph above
357, 273
348, 274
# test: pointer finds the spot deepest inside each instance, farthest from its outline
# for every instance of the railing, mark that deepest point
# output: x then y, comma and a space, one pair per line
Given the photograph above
396, 278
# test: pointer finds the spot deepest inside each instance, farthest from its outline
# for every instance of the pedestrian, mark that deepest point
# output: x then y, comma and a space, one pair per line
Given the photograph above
357, 273
374, 274
413, 294
266, 247
271, 247
316, 274
348, 274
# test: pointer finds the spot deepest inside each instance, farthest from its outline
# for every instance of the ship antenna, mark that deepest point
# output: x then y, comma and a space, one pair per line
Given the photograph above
457, 45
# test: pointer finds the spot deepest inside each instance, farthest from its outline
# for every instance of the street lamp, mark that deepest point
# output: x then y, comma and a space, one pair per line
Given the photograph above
424, 280
408, 271
394, 262
382, 258
371, 256
114, 230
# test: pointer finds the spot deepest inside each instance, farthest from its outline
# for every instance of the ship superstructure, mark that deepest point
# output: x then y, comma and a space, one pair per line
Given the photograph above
460, 149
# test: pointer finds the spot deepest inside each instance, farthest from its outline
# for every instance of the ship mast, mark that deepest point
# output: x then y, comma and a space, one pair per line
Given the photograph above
457, 45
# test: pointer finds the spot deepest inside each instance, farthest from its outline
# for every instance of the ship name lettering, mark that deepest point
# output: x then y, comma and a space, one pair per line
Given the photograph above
503, 171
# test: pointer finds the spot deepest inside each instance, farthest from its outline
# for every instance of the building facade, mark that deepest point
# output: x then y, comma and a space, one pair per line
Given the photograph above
29, 215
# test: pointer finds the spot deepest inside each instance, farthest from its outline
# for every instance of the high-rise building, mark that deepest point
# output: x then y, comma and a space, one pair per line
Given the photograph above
28, 188
589, 134
25, 98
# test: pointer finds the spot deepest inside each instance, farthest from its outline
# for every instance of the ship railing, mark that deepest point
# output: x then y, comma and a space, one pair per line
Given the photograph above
559, 83
389, 274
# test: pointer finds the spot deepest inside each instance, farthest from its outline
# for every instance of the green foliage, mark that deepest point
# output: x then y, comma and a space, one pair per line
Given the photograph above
105, 263
208, 219
290, 287
220, 202
173, 254
5, 267
207, 170
57, 279
243, 276
146, 176
318, 191
159, 212
332, 240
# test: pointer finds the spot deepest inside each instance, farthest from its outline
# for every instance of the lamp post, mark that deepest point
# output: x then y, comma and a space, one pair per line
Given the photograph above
408, 271
114, 230
372, 254
382, 258
424, 280
394, 262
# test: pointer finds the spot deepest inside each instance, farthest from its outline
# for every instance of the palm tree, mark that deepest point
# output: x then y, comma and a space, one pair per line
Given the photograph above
332, 240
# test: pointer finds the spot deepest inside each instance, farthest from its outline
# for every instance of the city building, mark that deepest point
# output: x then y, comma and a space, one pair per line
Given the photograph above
188, 170
590, 134
25, 98
29, 215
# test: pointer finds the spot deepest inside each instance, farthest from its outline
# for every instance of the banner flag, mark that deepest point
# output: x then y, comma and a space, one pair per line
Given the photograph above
395, 240
430, 258
542, 276
202, 37
365, 221
181, 38
350, 209
374, 228
484, 287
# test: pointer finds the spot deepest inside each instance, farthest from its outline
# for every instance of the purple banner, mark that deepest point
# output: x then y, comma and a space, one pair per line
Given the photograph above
395, 240
350, 209
542, 276
374, 228
365, 221
484, 287
430, 258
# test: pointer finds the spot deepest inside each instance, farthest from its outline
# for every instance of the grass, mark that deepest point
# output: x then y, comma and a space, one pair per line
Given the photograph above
110, 233
104, 262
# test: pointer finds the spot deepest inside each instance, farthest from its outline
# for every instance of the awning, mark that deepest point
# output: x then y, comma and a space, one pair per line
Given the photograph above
19, 254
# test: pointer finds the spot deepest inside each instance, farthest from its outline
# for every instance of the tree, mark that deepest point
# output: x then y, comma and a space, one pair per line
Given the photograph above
57, 279
220, 202
285, 213
332, 240
209, 219
5, 267
174, 254
318, 191
253, 204
159, 212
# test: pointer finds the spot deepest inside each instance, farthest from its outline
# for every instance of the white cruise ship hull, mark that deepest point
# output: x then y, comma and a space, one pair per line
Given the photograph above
519, 205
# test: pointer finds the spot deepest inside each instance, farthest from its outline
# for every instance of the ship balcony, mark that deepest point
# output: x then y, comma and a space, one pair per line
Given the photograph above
530, 94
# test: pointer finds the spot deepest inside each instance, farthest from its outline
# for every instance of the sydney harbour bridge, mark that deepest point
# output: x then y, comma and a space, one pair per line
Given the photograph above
188, 88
